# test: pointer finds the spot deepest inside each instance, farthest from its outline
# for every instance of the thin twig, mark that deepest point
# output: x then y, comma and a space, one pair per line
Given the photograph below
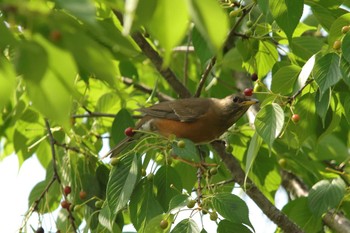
53, 151
94, 114
293, 97
161, 96
55, 170
35, 205
227, 46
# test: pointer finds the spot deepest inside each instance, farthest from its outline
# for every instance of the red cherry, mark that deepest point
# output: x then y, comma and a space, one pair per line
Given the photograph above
67, 190
295, 118
82, 195
129, 132
254, 77
248, 92
65, 204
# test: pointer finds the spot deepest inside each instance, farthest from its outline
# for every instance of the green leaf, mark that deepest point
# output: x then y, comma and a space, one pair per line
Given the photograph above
83, 9
252, 152
300, 213
265, 174
7, 38
189, 152
214, 28
166, 177
305, 108
51, 198
322, 104
186, 226
345, 47
226, 226
201, 47
332, 148
143, 204
287, 14
266, 57
283, 80
305, 73
346, 104
325, 195
90, 56
336, 22
154, 224
122, 120
231, 207
326, 16
7, 80
107, 219
337, 112
178, 201
108, 103
345, 70
327, 71
32, 69
187, 174
56, 82
169, 26
305, 46
121, 183
269, 122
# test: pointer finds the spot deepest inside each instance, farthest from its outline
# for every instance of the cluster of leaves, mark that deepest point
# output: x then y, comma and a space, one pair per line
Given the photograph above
78, 63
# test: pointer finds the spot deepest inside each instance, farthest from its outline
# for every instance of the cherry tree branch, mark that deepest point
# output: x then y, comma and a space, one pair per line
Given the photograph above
253, 192
334, 220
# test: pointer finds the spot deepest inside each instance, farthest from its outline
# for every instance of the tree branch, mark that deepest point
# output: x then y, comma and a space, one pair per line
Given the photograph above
157, 61
253, 192
334, 220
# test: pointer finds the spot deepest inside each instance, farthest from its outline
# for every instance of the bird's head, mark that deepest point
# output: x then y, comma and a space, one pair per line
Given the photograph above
234, 106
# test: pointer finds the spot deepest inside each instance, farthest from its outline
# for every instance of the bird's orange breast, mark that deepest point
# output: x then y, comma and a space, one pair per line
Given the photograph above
199, 131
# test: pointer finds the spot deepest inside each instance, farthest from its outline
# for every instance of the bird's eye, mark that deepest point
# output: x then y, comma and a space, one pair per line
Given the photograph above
235, 99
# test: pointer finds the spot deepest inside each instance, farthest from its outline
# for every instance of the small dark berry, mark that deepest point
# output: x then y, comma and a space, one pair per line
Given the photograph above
67, 190
65, 204
248, 92
295, 118
82, 195
254, 77
129, 132
40, 230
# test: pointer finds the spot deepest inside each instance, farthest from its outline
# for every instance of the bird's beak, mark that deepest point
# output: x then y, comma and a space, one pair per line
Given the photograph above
250, 102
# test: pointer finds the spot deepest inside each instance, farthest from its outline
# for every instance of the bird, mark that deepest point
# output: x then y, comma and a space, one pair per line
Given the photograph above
200, 120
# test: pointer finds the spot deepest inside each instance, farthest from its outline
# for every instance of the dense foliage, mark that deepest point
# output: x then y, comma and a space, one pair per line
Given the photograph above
72, 72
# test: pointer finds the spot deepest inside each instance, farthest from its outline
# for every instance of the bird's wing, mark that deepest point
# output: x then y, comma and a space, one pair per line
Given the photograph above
184, 110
